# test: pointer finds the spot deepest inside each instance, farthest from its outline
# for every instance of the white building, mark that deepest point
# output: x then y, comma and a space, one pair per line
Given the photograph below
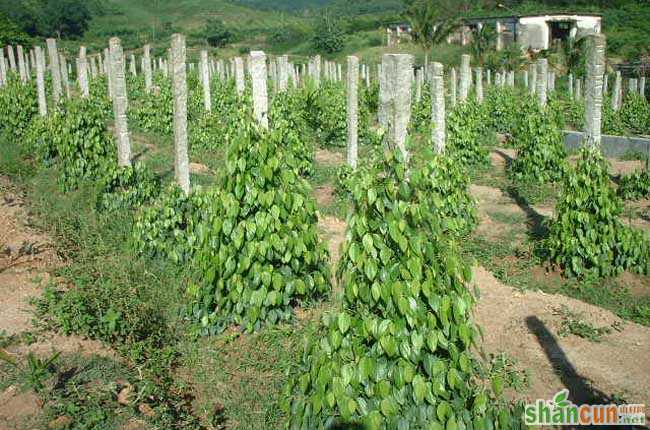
535, 32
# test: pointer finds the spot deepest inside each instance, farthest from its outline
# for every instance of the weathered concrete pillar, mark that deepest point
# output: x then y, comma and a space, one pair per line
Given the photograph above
12, 59
642, 86
100, 64
542, 75
282, 72
479, 84
339, 72
551, 82
315, 63
488, 77
28, 71
55, 70
205, 81
633, 86
463, 88
32, 58
146, 62
108, 70
384, 95
21, 64
64, 75
570, 86
3, 69
418, 85
578, 92
605, 84
260, 95
240, 81
452, 87
438, 134
399, 72
179, 88
511, 79
120, 102
526, 79
594, 89
132, 67
617, 96
93, 67
352, 110
40, 80
533, 78
82, 73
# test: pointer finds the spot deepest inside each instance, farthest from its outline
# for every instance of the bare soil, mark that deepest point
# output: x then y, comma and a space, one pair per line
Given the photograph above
26, 256
328, 158
525, 325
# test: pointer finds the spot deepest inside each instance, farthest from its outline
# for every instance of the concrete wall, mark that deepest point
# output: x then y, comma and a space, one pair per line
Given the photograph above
534, 31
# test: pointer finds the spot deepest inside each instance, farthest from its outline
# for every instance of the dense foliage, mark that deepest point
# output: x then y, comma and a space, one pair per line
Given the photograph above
18, 105
539, 141
635, 186
398, 354
587, 236
154, 111
260, 254
127, 187
466, 133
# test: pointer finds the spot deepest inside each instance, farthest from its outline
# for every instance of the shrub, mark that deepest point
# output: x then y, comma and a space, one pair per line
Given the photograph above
635, 114
466, 133
635, 186
397, 355
328, 36
587, 237
18, 105
541, 155
127, 187
260, 254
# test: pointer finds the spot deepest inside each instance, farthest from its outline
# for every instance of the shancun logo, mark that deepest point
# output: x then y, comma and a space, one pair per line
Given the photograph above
561, 411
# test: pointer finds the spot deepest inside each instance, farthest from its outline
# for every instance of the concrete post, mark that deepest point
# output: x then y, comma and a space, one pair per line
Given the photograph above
283, 72
108, 70
260, 96
205, 81
28, 66
120, 102
132, 66
399, 72
384, 95
594, 89
93, 67
179, 88
617, 96
146, 62
463, 88
511, 79
55, 70
40, 80
542, 75
315, 62
418, 85
240, 82
452, 87
488, 77
570, 86
352, 110
12, 59
3, 69
642, 86
479, 85
64, 74
533, 79
633, 86
82, 73
526, 79
21, 64
438, 134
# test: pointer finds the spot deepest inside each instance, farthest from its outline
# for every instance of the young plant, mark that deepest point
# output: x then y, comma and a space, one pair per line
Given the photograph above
587, 236
260, 254
397, 355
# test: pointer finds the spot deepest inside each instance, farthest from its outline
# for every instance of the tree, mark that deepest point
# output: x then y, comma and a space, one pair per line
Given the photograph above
11, 34
65, 18
217, 33
433, 20
482, 41
328, 35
